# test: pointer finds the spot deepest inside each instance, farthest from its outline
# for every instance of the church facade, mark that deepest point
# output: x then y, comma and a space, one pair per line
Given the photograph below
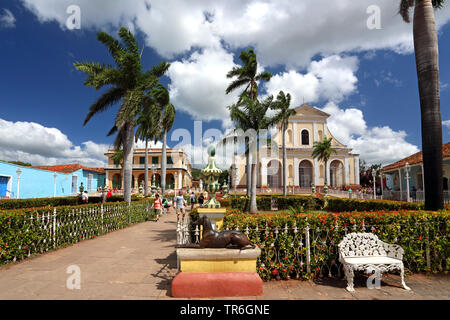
306, 127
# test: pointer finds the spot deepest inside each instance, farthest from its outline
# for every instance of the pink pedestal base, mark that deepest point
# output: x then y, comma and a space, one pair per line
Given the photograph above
221, 284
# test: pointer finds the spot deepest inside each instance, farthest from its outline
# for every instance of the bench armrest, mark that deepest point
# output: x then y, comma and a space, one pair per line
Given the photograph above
393, 250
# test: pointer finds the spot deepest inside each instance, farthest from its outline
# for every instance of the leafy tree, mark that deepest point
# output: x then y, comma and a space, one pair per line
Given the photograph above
427, 64
322, 150
282, 104
247, 75
128, 84
251, 114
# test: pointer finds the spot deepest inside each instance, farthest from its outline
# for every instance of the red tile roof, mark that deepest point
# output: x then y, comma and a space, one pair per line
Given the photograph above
415, 159
69, 168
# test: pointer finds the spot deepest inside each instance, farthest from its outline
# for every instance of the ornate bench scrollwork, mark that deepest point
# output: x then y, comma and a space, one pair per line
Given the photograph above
365, 252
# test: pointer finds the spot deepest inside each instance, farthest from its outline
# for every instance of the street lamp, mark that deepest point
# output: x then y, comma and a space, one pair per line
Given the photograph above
18, 181
381, 182
55, 175
407, 168
374, 186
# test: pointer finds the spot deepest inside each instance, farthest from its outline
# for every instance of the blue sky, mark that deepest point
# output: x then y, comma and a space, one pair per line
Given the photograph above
371, 88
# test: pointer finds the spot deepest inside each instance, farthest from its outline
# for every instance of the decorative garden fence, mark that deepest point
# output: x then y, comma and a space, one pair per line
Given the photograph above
302, 251
29, 231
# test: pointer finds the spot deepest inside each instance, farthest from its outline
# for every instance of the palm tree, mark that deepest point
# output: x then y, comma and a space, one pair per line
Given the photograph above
322, 150
129, 85
282, 104
247, 75
148, 130
167, 121
252, 114
427, 63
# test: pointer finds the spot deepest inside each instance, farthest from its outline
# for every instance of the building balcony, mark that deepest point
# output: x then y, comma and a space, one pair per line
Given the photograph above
142, 167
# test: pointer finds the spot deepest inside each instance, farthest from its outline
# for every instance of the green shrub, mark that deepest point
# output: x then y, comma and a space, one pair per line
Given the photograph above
342, 204
28, 231
8, 204
283, 251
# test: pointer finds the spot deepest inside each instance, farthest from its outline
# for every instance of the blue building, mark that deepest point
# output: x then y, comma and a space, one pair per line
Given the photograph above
47, 181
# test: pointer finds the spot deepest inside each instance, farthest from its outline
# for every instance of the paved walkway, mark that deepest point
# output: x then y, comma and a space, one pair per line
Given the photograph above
139, 262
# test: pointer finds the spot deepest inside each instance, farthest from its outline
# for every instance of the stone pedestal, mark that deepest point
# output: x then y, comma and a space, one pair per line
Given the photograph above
217, 273
214, 215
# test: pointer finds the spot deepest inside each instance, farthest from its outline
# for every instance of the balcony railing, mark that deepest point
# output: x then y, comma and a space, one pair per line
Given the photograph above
142, 166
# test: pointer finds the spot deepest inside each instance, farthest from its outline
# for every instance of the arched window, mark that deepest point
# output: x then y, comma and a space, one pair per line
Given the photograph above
305, 137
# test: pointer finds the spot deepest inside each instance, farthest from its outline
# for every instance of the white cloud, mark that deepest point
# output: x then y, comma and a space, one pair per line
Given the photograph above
39, 145
374, 144
286, 32
331, 78
198, 85
7, 19
446, 123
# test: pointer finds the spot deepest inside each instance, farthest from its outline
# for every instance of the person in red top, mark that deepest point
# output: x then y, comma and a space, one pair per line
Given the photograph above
157, 205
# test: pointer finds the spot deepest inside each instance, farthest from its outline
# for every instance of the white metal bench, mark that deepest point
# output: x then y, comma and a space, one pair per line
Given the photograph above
365, 252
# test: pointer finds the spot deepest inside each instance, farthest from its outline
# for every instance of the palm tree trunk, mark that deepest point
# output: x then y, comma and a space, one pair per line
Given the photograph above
247, 165
128, 160
164, 164
253, 204
427, 63
146, 169
284, 159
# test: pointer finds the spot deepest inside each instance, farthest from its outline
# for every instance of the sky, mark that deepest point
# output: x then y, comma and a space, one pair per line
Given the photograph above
351, 59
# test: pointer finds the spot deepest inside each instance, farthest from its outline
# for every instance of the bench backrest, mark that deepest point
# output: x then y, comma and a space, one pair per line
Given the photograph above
358, 244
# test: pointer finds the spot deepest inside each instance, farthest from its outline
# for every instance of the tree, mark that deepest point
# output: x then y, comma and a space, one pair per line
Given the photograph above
247, 75
251, 114
128, 85
147, 122
167, 121
322, 150
427, 65
282, 104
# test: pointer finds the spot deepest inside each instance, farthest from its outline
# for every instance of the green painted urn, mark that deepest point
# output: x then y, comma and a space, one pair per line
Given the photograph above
211, 175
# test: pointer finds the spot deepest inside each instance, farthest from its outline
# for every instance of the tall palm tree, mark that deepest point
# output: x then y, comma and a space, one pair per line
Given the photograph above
167, 120
322, 150
246, 75
282, 117
129, 85
427, 64
252, 114
147, 121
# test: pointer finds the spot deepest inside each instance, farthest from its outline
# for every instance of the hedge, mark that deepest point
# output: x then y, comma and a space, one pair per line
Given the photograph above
24, 232
333, 204
8, 204
283, 250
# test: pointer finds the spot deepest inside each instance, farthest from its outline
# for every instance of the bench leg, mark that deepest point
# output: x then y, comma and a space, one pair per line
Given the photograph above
348, 270
402, 274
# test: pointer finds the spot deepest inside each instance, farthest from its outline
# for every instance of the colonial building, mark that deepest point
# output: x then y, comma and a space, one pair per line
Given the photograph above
178, 169
412, 167
306, 127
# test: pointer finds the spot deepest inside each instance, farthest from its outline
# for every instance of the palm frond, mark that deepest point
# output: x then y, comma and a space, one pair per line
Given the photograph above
105, 101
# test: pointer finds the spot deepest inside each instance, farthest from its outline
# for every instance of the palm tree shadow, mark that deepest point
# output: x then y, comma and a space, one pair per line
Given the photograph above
167, 272
359, 281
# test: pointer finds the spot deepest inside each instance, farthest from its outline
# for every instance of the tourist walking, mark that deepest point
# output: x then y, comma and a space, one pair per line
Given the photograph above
157, 205
201, 199
180, 203
192, 201
84, 197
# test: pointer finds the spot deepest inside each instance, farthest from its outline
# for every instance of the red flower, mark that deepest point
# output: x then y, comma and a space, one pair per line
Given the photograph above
420, 238
284, 270
317, 269
275, 271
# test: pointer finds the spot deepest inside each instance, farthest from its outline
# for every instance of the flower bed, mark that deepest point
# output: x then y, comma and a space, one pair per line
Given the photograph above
24, 232
282, 239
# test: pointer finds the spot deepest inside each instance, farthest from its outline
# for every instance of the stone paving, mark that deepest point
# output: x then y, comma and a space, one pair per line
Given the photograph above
139, 262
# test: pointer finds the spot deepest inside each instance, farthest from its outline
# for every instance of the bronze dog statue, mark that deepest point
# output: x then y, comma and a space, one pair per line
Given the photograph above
211, 238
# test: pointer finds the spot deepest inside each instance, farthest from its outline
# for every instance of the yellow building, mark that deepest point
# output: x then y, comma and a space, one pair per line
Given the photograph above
178, 169
306, 127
